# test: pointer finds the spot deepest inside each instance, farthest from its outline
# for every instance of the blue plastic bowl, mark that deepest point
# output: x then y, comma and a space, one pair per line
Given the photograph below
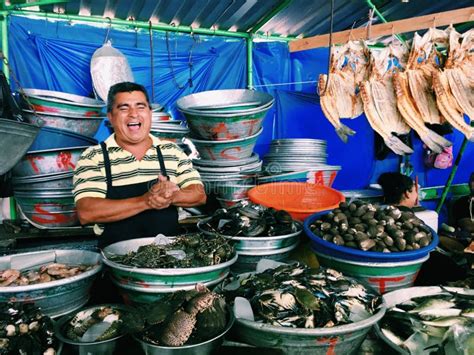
52, 138
331, 249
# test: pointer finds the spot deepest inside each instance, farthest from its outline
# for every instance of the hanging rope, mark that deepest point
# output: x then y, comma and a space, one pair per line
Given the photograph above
331, 23
108, 30
152, 65
190, 61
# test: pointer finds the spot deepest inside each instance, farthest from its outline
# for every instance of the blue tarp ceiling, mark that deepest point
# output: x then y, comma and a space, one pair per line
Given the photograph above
56, 56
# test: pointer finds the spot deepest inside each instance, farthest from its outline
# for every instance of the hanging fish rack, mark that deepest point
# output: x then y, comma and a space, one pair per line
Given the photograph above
386, 29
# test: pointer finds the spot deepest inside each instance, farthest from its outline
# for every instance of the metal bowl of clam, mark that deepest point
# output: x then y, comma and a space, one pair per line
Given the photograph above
92, 330
57, 281
147, 284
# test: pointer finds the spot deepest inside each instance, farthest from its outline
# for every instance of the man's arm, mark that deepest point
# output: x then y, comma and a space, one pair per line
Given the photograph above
189, 196
104, 210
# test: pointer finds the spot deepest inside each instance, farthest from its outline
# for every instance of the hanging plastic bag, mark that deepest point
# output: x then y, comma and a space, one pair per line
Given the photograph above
108, 67
443, 160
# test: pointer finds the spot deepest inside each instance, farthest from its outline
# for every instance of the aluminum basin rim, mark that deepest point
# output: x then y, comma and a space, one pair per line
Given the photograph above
311, 332
168, 271
47, 95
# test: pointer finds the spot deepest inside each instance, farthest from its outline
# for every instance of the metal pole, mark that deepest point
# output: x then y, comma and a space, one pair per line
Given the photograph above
249, 63
451, 176
4, 19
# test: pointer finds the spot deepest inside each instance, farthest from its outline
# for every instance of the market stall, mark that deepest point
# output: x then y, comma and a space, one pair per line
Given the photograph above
290, 112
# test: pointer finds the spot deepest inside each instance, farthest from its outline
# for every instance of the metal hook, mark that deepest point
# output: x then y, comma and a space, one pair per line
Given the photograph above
369, 25
350, 31
108, 29
434, 21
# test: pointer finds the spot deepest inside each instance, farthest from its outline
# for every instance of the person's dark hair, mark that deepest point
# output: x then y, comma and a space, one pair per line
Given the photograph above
125, 86
394, 185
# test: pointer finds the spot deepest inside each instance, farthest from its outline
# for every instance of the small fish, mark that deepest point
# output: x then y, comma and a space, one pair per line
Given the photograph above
431, 314
469, 313
433, 303
392, 336
446, 321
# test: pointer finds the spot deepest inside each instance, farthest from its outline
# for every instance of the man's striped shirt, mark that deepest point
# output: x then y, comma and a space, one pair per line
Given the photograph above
89, 176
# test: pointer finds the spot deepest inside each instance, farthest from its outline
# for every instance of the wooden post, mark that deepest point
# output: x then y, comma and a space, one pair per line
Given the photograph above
387, 29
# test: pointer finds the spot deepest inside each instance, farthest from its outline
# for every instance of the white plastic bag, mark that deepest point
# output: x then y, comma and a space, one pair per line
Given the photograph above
108, 67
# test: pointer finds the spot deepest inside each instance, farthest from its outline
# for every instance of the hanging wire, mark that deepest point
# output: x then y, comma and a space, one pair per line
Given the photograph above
108, 29
150, 31
190, 61
330, 49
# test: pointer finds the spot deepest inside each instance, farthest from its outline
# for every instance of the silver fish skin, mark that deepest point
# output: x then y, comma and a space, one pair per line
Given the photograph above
392, 336
434, 303
432, 314
446, 321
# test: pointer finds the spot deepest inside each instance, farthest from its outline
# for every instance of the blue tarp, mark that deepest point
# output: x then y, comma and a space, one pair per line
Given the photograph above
56, 56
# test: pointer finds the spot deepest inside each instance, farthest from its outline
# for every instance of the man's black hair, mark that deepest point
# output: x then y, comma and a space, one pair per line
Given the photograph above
394, 185
125, 86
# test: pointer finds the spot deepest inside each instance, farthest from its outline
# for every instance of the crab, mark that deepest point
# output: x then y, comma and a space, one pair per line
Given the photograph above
197, 314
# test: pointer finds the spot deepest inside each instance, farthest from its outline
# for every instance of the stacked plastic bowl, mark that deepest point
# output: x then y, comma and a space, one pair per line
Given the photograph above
42, 179
298, 160
225, 125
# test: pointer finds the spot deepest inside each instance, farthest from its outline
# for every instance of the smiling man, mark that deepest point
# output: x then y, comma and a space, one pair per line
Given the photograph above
132, 183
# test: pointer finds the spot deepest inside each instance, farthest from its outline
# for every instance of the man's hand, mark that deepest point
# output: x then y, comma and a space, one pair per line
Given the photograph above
161, 193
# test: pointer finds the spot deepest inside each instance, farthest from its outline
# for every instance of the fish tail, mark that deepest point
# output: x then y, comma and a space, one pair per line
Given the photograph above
343, 132
397, 146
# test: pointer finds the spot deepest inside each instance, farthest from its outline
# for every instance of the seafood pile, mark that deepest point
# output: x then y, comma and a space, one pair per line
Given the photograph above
247, 219
25, 330
94, 324
441, 323
299, 297
190, 250
181, 318
46, 273
366, 226
403, 89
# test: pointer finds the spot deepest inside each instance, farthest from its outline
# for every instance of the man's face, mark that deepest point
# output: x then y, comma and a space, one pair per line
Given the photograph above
130, 117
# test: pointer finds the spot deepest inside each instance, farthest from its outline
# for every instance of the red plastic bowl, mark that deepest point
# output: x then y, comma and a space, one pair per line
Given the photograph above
299, 199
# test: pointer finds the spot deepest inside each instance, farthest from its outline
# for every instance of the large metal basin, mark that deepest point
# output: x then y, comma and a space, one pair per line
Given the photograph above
54, 138
225, 114
260, 243
156, 281
86, 126
398, 296
50, 161
62, 103
58, 297
234, 149
205, 348
61, 180
343, 339
15, 139
48, 208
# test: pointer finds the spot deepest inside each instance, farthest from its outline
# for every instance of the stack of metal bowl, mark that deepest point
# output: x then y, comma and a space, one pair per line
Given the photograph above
42, 179
298, 160
225, 126
229, 180
42, 186
58, 297
144, 285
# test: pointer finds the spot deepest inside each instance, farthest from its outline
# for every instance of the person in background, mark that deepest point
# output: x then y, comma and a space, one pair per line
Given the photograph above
399, 190
463, 210
131, 184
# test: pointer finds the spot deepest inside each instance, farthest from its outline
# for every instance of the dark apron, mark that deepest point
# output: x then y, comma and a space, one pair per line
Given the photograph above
148, 223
